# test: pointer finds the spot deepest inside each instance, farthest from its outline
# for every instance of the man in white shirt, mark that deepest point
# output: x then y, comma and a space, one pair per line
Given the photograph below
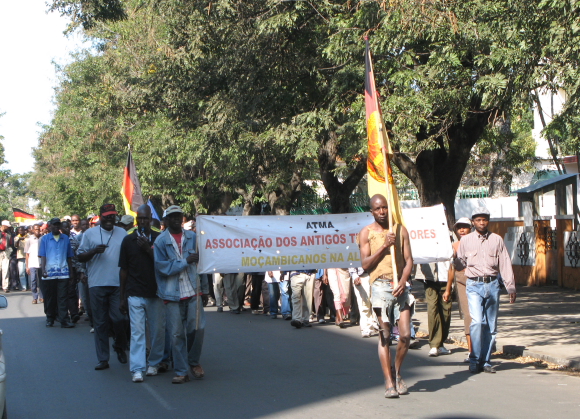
33, 263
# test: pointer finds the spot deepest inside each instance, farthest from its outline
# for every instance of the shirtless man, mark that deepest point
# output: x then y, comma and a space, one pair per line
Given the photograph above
389, 304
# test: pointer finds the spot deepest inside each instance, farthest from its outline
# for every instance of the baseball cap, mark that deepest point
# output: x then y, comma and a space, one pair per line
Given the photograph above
108, 209
462, 220
54, 220
6, 223
173, 209
480, 211
127, 219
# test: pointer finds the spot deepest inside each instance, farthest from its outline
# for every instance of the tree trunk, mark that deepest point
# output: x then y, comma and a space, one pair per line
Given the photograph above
500, 178
338, 192
437, 172
282, 198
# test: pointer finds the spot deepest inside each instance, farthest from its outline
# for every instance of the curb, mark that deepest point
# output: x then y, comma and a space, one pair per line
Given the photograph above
522, 351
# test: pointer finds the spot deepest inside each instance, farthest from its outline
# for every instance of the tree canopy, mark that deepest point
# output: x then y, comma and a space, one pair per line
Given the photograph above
245, 100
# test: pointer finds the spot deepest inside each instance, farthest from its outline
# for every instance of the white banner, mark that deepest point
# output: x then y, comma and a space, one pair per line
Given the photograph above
429, 234
278, 243
298, 242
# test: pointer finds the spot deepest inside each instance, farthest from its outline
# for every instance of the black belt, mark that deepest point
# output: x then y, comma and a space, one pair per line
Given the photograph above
486, 279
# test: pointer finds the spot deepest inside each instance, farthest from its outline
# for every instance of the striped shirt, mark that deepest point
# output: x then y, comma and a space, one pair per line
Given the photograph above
485, 255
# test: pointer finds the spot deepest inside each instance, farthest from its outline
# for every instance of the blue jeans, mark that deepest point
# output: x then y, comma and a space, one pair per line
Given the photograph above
144, 311
35, 284
186, 341
483, 300
22, 274
285, 298
274, 290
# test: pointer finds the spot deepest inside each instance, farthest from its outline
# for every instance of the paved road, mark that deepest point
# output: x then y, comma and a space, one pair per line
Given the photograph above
262, 368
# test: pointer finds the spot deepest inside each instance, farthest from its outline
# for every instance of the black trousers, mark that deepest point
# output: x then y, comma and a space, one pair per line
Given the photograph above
72, 298
105, 308
323, 298
260, 289
54, 292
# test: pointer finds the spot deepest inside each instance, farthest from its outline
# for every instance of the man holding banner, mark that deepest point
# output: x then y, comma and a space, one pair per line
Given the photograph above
389, 298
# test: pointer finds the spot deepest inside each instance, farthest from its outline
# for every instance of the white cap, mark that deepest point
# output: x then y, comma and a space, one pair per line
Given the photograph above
6, 223
462, 220
172, 210
480, 211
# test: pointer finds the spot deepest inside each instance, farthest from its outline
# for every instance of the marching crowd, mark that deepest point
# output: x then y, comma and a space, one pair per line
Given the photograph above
135, 280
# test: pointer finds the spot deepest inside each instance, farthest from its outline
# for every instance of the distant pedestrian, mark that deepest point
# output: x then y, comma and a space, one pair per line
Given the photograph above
5, 252
19, 244
33, 263
56, 254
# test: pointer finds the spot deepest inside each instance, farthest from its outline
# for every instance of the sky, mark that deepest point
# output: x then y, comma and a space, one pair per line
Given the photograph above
30, 40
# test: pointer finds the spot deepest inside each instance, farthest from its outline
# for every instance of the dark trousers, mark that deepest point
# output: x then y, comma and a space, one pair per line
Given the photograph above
260, 290
438, 313
13, 272
247, 290
105, 308
54, 292
323, 298
72, 298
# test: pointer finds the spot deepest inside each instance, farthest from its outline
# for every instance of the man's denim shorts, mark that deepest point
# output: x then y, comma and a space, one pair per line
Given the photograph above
382, 297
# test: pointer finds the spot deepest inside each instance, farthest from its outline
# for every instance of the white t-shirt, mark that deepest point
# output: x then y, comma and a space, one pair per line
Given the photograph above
31, 247
270, 279
103, 268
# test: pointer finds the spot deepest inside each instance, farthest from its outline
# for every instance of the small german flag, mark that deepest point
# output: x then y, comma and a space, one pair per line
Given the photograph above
131, 190
22, 216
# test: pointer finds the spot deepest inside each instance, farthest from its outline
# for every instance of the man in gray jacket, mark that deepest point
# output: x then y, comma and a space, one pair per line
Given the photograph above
181, 288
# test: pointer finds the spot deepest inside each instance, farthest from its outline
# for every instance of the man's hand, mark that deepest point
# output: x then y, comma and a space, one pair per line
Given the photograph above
512, 297
390, 239
356, 281
446, 296
123, 306
193, 258
143, 243
28, 271
325, 279
399, 289
44, 274
100, 248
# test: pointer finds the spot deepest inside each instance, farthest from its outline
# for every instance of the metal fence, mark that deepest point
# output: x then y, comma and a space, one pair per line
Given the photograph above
319, 204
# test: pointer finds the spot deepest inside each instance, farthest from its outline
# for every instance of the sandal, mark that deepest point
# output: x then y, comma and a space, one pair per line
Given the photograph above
391, 393
402, 386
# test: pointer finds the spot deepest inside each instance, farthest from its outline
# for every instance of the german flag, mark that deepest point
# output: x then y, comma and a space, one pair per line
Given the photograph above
22, 216
131, 190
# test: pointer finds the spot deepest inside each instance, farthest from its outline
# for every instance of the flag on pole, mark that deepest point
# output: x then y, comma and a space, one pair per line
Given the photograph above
131, 189
379, 146
153, 210
22, 216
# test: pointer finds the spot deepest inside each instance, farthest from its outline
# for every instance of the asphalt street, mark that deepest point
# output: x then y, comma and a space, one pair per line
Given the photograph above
257, 367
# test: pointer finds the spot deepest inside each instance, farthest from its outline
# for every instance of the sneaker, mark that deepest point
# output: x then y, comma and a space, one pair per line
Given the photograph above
466, 360
34, 301
414, 344
210, 302
442, 350
433, 352
321, 321
137, 377
366, 334
256, 312
296, 323
151, 370
306, 324
163, 367
287, 317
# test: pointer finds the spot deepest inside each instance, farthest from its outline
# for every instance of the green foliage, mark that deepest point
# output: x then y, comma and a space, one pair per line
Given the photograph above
242, 100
